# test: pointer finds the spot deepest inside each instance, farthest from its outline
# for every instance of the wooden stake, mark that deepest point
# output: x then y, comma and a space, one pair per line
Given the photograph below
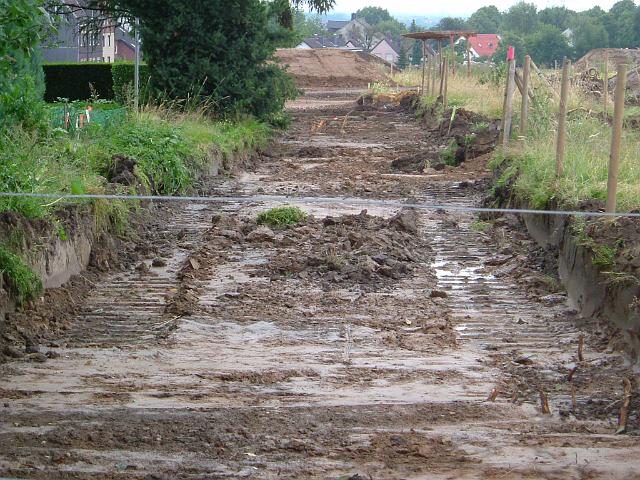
572, 372
605, 89
442, 67
433, 76
581, 348
574, 402
424, 63
524, 114
469, 56
507, 113
493, 395
446, 87
518, 80
544, 402
562, 118
624, 410
614, 157
453, 55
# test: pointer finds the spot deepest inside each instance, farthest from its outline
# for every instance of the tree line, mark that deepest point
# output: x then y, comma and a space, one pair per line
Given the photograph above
551, 33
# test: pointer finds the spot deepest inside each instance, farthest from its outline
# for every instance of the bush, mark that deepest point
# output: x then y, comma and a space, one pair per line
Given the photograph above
123, 74
23, 281
75, 81
282, 216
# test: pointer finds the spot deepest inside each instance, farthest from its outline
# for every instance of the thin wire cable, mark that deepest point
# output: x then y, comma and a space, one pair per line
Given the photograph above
316, 200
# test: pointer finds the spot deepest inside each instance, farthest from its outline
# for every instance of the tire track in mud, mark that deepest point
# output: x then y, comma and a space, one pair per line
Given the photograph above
284, 376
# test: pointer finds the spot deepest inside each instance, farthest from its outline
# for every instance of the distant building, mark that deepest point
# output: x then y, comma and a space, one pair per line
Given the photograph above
73, 42
331, 41
483, 44
387, 49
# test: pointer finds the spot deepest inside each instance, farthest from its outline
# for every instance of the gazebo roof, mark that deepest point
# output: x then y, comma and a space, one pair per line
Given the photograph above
439, 34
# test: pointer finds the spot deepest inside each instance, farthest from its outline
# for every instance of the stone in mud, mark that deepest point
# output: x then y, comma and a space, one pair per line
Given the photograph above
405, 220
12, 352
159, 262
38, 357
438, 294
261, 234
232, 235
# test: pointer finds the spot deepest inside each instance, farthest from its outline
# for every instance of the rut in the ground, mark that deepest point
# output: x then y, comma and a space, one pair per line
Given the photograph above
307, 354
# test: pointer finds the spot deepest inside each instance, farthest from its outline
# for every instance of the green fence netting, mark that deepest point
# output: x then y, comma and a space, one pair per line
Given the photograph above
76, 117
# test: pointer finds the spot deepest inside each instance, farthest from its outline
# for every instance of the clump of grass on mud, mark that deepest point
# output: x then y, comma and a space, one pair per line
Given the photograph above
282, 216
23, 281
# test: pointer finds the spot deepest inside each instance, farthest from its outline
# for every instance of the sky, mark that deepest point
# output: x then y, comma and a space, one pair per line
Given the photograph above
458, 7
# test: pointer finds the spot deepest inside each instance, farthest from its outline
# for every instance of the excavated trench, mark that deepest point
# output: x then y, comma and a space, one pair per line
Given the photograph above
356, 345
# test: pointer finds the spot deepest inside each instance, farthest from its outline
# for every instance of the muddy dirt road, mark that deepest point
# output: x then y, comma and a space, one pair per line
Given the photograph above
357, 345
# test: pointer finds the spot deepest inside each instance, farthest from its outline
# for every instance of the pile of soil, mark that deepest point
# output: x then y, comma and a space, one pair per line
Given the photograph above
331, 67
352, 249
595, 58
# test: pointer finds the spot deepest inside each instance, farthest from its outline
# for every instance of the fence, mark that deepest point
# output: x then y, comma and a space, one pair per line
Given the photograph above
521, 82
73, 117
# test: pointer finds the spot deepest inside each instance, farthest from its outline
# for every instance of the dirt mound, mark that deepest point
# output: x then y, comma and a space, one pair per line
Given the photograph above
331, 67
352, 249
595, 58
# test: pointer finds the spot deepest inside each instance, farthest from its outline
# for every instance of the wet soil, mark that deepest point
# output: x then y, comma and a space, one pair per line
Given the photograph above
354, 345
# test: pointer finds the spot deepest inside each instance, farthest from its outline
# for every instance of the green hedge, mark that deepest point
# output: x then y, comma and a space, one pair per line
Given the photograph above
123, 74
71, 80
112, 81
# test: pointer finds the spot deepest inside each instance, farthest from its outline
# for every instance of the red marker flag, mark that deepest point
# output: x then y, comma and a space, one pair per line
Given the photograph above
511, 53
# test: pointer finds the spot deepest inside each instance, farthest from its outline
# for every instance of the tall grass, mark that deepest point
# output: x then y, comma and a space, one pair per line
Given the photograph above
531, 157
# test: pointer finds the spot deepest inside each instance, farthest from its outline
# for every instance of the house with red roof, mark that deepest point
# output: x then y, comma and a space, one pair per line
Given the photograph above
483, 45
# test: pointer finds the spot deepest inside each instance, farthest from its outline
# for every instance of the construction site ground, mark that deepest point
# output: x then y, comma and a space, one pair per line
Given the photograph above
380, 344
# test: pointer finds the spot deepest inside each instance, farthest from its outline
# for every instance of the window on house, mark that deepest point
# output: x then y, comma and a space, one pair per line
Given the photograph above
109, 39
103, 40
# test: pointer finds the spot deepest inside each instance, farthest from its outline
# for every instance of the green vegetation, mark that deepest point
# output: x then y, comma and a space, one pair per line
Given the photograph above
78, 81
448, 155
480, 226
282, 216
22, 280
603, 256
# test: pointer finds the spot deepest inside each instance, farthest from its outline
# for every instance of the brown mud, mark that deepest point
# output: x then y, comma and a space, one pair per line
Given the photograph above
354, 345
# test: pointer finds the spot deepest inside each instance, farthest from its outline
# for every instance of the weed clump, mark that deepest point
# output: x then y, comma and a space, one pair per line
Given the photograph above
282, 216
23, 281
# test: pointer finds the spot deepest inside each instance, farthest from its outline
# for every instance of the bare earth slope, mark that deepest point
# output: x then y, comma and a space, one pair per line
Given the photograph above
332, 67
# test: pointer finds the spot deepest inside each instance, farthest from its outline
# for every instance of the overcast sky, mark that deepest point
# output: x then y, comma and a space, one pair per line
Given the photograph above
459, 7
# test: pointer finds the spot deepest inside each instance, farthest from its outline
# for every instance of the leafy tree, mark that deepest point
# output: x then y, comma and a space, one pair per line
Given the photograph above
514, 40
416, 50
307, 26
620, 24
486, 20
212, 50
588, 33
547, 45
374, 15
392, 27
521, 18
559, 17
22, 26
452, 23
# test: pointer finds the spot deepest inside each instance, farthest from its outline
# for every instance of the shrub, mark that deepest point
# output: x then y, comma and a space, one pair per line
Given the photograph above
23, 282
75, 81
282, 216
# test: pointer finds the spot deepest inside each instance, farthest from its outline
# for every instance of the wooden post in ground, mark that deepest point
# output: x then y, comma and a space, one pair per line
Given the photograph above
616, 136
605, 88
424, 66
507, 111
469, 56
443, 66
433, 76
446, 88
524, 114
562, 118
453, 55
